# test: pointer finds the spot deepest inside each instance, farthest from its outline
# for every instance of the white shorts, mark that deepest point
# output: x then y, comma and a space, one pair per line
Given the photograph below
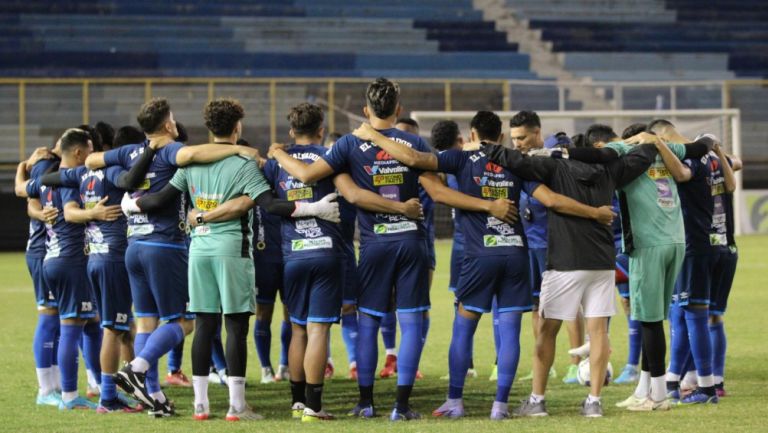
563, 293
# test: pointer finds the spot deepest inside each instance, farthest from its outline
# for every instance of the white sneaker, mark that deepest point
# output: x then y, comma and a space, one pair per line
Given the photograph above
246, 414
648, 405
216, 378
297, 410
267, 375
471, 373
630, 401
282, 373
582, 351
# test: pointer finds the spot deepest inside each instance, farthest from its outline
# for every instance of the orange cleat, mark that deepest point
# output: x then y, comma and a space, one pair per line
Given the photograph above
390, 367
178, 379
352, 373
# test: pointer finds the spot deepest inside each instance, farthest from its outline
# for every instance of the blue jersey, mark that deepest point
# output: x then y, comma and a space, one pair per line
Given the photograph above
268, 241
106, 240
486, 235
428, 207
304, 237
36, 242
62, 239
718, 236
697, 205
458, 235
375, 170
166, 224
616, 225
534, 216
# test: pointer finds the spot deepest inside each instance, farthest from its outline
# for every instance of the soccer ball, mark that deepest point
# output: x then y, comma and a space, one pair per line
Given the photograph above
583, 374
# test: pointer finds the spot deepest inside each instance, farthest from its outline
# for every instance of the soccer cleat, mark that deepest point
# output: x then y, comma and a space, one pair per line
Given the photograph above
267, 375
499, 411
495, 374
329, 370
282, 373
310, 415
128, 401
591, 410
581, 351
116, 405
673, 395
177, 378
132, 382
247, 414
471, 374
408, 415
628, 375
390, 367
202, 413
572, 376
699, 397
630, 401
720, 390
297, 410
53, 398
552, 372
361, 411
77, 403
92, 392
161, 410
419, 375
452, 408
648, 405
352, 375
527, 408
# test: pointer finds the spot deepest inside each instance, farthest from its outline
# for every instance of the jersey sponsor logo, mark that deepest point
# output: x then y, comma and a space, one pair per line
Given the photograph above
388, 179
493, 168
487, 181
390, 228
499, 226
377, 169
659, 171
292, 183
202, 230
86, 307
96, 248
382, 155
140, 229
121, 318
308, 228
206, 202
493, 192
299, 194
492, 241
145, 184
311, 244
664, 195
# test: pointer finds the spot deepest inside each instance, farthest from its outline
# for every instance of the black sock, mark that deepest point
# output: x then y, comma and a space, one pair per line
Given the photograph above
708, 390
720, 385
298, 392
315, 396
673, 385
403, 395
471, 363
366, 395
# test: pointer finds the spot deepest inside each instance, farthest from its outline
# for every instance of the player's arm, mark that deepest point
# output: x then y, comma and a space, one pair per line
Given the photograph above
150, 202
566, 205
36, 211
736, 162
531, 168
207, 153
373, 202
307, 173
95, 160
73, 213
728, 174
592, 155
680, 172
237, 207
502, 208
399, 151
20, 180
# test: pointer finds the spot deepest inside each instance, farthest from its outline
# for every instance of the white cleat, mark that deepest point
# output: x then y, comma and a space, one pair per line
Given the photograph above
582, 351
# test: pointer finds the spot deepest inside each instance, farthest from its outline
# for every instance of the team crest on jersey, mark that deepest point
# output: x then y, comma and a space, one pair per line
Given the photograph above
382, 155
493, 168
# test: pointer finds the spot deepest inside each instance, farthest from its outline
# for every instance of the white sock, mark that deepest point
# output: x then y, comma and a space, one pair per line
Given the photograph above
353, 364
56, 377
392, 352
200, 386
159, 396
706, 381
690, 379
536, 398
92, 383
44, 380
644, 385
68, 396
236, 392
719, 380
140, 365
672, 377
591, 399
658, 388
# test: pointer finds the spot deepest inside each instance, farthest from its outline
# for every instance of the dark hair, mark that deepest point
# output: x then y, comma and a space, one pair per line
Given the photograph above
444, 134
107, 133
529, 119
408, 121
181, 133
599, 133
306, 119
633, 129
93, 135
382, 96
579, 140
73, 138
487, 124
128, 135
659, 124
153, 114
221, 116
243, 142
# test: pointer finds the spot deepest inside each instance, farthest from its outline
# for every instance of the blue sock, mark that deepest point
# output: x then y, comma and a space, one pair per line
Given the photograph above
635, 341
509, 353
408, 357
54, 355
262, 336
389, 330
698, 334
285, 341
108, 389
349, 334
218, 359
719, 345
496, 338
92, 336
424, 330
367, 348
161, 341
152, 380
68, 346
175, 356
460, 354
678, 335
43, 343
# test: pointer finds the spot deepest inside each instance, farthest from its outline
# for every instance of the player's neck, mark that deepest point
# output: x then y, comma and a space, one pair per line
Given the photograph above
380, 124
161, 139
68, 161
303, 140
232, 139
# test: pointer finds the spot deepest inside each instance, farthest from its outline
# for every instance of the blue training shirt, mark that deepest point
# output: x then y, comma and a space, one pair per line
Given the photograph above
458, 235
534, 217
63, 239
484, 234
166, 224
375, 170
36, 241
697, 205
310, 236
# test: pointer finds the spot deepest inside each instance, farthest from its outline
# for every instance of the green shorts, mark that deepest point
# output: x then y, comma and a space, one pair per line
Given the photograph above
652, 275
221, 285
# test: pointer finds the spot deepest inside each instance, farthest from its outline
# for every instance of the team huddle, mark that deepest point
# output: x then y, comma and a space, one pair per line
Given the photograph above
137, 239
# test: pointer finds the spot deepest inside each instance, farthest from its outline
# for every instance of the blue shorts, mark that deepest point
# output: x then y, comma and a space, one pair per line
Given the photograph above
694, 283
109, 280
507, 278
351, 283
622, 275
725, 271
67, 279
431, 254
402, 266
457, 258
158, 276
43, 296
538, 261
269, 281
313, 289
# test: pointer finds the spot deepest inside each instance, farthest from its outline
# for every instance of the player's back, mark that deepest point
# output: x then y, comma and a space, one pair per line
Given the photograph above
36, 242
697, 205
63, 239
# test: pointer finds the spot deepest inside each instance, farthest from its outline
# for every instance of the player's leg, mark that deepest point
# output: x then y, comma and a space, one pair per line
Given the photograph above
630, 372
598, 306
349, 333
268, 281
720, 294
579, 348
218, 369
298, 277
285, 341
680, 349
45, 335
537, 259
389, 338
176, 377
205, 327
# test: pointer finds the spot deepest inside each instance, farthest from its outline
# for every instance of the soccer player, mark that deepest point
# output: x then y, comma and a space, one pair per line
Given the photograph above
393, 265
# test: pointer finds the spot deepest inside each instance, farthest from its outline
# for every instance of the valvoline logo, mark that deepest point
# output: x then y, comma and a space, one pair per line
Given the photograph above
493, 168
482, 181
371, 170
382, 155
291, 184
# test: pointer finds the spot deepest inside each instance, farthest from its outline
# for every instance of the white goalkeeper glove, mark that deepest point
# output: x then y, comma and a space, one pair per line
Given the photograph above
129, 205
326, 209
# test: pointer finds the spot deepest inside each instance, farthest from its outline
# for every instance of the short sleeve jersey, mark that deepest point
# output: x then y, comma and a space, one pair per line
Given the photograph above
310, 236
36, 242
458, 235
210, 185
484, 234
267, 237
375, 170
62, 239
697, 205
534, 218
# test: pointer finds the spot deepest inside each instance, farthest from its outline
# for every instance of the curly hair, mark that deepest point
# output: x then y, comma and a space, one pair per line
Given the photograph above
382, 96
221, 116
305, 119
444, 134
153, 114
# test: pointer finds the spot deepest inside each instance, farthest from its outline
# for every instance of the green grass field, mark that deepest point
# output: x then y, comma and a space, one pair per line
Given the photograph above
743, 410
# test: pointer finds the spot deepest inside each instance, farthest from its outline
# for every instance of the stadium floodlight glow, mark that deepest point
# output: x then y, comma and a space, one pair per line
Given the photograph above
724, 123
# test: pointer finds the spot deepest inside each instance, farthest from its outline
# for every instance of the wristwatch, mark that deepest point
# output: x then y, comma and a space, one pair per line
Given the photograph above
199, 218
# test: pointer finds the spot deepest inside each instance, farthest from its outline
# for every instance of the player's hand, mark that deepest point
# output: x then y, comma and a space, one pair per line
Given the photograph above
39, 154
192, 218
262, 162
106, 213
49, 214
470, 146
604, 215
643, 138
366, 132
327, 208
273, 148
129, 205
412, 209
248, 152
504, 209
